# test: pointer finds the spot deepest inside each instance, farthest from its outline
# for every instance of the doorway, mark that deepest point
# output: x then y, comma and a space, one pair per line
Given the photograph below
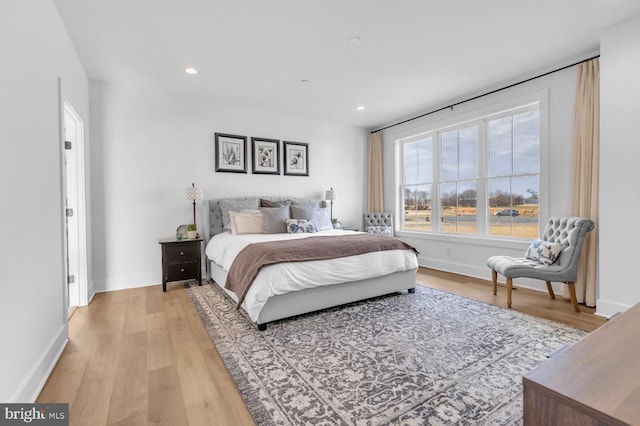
75, 208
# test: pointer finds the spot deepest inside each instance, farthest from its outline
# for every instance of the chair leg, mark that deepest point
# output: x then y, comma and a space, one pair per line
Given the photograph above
550, 289
509, 290
574, 298
494, 277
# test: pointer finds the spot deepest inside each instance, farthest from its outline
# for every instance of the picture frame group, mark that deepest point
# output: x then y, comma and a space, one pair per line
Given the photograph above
232, 156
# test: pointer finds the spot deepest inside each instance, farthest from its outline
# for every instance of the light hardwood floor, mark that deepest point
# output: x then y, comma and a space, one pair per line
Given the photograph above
141, 356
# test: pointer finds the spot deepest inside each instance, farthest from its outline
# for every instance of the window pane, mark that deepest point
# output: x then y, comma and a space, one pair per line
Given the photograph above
423, 209
500, 147
410, 154
525, 201
526, 142
467, 202
468, 148
500, 219
425, 160
449, 156
417, 208
448, 207
410, 213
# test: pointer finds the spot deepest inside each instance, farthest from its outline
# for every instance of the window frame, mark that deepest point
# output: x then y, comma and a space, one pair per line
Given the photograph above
465, 119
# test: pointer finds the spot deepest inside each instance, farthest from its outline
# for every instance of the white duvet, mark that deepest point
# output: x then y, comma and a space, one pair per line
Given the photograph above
286, 277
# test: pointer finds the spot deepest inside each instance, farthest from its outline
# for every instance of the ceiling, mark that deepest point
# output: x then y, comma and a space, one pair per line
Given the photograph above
414, 55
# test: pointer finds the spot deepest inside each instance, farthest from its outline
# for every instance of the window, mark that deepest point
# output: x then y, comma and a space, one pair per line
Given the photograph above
514, 174
481, 177
459, 180
418, 179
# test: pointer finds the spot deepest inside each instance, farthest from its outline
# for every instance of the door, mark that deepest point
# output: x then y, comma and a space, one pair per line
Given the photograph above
75, 207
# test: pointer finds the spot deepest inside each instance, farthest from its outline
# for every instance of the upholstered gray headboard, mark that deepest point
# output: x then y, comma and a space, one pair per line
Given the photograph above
214, 210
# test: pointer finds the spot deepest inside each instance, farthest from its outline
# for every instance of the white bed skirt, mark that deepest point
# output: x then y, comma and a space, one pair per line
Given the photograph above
313, 299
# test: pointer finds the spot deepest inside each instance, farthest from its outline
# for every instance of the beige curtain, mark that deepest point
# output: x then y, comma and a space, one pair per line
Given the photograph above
375, 201
586, 148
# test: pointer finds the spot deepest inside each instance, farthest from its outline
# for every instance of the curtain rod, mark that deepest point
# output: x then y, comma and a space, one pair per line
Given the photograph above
485, 94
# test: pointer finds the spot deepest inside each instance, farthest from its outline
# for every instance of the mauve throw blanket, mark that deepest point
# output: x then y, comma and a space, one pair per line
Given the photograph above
254, 257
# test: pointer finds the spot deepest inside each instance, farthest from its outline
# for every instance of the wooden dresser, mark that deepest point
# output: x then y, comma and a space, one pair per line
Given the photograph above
593, 382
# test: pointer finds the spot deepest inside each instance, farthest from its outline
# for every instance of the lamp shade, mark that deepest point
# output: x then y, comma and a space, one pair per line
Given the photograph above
193, 193
330, 195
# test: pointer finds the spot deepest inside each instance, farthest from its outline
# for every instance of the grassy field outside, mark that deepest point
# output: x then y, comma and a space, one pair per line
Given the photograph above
525, 225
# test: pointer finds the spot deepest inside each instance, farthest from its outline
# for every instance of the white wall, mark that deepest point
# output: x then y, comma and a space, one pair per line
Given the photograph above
619, 180
468, 255
35, 52
149, 144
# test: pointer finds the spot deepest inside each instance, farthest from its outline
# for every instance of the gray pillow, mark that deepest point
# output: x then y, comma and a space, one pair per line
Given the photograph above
274, 219
236, 205
315, 204
268, 203
307, 213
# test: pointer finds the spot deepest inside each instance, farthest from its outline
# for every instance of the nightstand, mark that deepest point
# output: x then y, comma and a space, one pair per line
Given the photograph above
181, 260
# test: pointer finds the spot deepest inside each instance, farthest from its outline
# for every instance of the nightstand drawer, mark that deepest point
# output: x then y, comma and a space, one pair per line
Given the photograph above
182, 252
186, 271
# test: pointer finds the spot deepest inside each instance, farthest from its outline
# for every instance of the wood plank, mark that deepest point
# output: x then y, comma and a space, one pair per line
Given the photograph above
129, 397
166, 402
104, 348
91, 406
140, 420
136, 319
65, 379
159, 345
238, 413
196, 324
199, 388
155, 299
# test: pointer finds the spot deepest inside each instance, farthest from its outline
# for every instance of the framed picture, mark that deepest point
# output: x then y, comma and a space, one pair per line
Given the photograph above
266, 156
296, 159
231, 153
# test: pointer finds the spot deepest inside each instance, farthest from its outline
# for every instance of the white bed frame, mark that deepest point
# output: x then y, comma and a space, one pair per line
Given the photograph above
308, 300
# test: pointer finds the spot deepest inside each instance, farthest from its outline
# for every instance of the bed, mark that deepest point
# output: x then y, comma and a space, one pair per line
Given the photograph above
288, 289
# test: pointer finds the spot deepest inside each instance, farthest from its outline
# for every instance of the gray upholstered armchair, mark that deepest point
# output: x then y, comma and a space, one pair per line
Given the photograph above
570, 232
378, 223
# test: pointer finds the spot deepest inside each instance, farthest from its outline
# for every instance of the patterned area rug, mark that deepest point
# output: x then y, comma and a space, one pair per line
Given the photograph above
429, 358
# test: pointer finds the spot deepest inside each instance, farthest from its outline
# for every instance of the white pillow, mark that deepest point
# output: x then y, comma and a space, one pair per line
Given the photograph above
247, 222
382, 230
544, 252
322, 219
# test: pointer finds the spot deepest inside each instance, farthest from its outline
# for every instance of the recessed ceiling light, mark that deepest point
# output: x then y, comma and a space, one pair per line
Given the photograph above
356, 41
360, 108
191, 71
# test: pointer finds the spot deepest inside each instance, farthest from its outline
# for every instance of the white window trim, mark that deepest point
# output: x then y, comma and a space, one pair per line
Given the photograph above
484, 112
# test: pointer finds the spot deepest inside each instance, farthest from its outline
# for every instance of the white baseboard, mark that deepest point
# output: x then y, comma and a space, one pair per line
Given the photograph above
125, 283
91, 291
606, 308
31, 386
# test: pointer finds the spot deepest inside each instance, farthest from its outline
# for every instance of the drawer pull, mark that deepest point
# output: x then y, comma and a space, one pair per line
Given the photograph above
181, 269
181, 253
